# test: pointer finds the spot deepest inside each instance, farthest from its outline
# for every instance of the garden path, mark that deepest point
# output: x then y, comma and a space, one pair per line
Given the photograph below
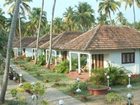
52, 95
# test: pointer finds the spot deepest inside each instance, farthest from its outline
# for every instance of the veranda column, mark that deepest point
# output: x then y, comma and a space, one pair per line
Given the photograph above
46, 56
90, 63
55, 57
70, 62
79, 64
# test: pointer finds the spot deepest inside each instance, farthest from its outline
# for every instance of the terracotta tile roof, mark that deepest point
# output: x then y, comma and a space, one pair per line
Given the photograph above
62, 39
24, 41
105, 37
42, 40
15, 40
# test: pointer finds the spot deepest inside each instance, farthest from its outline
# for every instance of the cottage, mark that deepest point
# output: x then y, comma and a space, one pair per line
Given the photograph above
59, 41
119, 46
41, 41
24, 43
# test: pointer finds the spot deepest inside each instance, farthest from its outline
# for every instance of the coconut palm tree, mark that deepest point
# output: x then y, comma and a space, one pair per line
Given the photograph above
121, 19
58, 25
108, 6
8, 54
38, 31
23, 7
102, 19
34, 16
132, 3
85, 18
69, 19
51, 31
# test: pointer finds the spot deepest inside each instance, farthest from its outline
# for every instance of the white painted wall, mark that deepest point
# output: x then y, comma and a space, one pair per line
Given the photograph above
114, 58
29, 52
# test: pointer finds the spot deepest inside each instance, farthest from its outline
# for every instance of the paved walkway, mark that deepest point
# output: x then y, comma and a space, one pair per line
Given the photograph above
52, 95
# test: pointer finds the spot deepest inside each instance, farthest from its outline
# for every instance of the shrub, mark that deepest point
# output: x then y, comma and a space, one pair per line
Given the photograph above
82, 86
118, 75
135, 78
44, 102
38, 88
98, 77
14, 92
41, 60
27, 86
62, 67
74, 63
28, 59
113, 97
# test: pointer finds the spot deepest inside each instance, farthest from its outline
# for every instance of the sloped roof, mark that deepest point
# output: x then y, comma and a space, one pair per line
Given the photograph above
42, 40
24, 42
61, 39
105, 37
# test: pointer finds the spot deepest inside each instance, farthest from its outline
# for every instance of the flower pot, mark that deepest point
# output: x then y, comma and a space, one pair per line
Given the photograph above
102, 91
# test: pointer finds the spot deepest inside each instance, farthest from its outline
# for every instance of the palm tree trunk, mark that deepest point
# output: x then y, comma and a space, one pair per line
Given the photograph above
8, 54
38, 34
51, 31
19, 26
110, 19
134, 13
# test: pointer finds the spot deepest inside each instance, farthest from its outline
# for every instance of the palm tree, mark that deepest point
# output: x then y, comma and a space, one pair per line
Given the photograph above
121, 19
108, 6
102, 19
38, 31
51, 31
132, 3
85, 18
69, 19
58, 25
23, 7
8, 54
34, 16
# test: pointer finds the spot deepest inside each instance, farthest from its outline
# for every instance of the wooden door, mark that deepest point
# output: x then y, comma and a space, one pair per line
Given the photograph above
98, 61
64, 55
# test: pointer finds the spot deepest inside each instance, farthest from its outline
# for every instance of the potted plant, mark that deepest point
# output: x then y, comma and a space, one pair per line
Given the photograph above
97, 82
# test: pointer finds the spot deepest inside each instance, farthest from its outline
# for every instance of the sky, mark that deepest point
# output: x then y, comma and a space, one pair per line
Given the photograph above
61, 6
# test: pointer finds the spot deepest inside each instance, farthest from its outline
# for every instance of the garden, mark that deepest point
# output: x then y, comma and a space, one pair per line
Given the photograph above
113, 82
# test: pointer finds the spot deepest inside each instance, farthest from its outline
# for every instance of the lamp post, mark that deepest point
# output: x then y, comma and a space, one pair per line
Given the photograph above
129, 84
108, 80
61, 102
20, 78
129, 97
129, 76
78, 90
34, 98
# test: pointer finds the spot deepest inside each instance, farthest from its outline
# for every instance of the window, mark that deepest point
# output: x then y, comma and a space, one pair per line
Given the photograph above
128, 57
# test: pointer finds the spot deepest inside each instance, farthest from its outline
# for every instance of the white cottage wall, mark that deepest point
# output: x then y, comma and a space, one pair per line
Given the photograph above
116, 60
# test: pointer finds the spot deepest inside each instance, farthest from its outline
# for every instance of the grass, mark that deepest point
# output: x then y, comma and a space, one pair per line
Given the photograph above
42, 73
57, 80
63, 83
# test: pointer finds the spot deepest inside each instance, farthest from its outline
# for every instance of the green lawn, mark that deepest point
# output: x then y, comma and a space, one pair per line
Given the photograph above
63, 83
